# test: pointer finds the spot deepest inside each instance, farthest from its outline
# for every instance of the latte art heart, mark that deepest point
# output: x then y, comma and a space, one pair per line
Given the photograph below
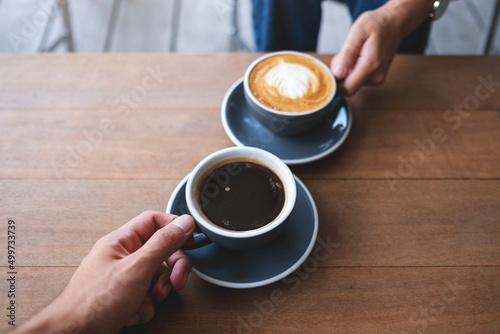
292, 80
291, 83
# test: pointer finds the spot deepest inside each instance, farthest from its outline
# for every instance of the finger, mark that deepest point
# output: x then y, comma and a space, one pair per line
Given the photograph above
161, 270
144, 313
162, 287
162, 244
377, 77
165, 278
343, 63
146, 224
368, 63
341, 88
131, 236
161, 279
181, 265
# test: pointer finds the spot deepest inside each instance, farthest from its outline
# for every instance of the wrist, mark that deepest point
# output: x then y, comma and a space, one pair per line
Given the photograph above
57, 317
407, 15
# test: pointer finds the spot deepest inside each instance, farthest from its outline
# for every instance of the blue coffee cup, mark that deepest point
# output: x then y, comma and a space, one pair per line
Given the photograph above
283, 122
232, 239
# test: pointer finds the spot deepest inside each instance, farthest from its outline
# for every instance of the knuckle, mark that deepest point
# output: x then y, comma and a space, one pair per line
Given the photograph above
374, 64
377, 78
169, 236
366, 15
348, 93
148, 213
187, 260
351, 50
148, 312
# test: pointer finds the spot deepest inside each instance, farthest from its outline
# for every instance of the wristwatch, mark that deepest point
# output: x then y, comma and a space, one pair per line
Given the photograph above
438, 9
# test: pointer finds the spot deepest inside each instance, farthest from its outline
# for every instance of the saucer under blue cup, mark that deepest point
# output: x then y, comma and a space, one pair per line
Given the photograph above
261, 266
245, 130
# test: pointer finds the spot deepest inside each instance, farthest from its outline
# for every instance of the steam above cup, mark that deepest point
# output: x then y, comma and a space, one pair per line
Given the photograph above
289, 92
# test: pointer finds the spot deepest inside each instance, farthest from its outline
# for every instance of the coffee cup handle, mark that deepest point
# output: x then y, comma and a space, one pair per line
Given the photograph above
337, 102
200, 240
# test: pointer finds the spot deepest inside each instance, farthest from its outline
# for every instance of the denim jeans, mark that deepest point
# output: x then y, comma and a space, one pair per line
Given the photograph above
294, 25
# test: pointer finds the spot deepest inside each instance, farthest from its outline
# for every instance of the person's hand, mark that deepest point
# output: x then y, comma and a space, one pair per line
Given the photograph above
367, 52
114, 285
372, 42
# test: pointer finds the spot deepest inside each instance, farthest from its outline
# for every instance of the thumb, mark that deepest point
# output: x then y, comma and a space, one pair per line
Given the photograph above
162, 244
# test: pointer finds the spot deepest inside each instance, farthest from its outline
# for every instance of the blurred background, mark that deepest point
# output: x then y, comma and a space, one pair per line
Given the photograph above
205, 26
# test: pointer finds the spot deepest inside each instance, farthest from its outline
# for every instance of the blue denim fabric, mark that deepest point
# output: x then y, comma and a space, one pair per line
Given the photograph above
294, 25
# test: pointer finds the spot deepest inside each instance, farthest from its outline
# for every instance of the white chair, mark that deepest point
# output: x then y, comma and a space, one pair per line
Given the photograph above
66, 37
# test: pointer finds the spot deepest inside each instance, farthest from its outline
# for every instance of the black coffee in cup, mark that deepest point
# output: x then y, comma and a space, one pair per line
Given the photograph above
240, 195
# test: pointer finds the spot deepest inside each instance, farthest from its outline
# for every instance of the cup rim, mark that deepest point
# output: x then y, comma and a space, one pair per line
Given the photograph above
245, 152
249, 93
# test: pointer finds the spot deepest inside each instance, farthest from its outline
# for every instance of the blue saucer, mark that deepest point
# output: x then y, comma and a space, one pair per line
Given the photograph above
244, 130
261, 266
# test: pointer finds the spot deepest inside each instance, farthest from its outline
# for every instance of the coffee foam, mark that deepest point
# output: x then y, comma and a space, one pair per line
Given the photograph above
290, 82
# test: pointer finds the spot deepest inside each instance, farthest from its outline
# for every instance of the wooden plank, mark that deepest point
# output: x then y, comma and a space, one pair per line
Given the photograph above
423, 223
454, 79
107, 81
344, 300
83, 81
70, 216
405, 145
36, 287
53, 144
326, 300
142, 144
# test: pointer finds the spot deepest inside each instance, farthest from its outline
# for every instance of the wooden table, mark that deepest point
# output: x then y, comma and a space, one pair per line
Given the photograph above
411, 200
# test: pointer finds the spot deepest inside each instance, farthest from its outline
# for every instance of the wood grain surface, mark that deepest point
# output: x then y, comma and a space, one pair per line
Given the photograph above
411, 200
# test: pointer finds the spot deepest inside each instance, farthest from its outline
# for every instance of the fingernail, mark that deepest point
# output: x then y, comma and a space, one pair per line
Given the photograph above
184, 222
340, 72
185, 277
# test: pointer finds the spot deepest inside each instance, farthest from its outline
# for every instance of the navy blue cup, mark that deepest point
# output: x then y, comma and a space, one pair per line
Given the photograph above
240, 239
286, 123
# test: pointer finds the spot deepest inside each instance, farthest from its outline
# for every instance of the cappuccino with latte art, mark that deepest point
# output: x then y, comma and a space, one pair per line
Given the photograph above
291, 83
289, 92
